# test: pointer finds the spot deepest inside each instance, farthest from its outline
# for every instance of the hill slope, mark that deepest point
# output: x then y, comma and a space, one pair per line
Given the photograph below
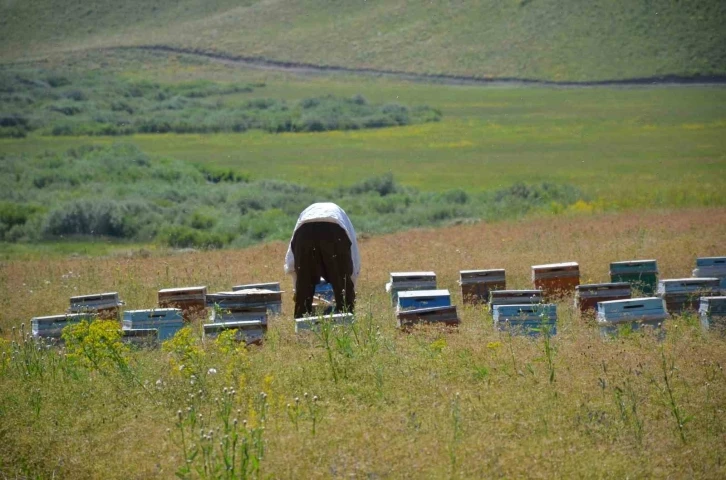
537, 39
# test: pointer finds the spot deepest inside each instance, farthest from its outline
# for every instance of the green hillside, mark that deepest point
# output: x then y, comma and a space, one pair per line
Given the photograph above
535, 39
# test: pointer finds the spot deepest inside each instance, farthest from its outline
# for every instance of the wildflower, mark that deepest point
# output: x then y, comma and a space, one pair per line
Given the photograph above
212, 371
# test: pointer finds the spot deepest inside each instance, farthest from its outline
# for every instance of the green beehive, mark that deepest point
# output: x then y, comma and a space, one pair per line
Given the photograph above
640, 274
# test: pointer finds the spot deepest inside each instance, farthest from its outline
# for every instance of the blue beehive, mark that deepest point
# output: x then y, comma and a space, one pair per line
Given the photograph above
527, 319
257, 314
711, 267
273, 305
166, 320
713, 312
249, 331
423, 299
52, 326
641, 274
313, 323
632, 313
406, 281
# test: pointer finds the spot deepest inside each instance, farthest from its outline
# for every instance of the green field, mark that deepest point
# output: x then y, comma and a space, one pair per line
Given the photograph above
540, 39
625, 147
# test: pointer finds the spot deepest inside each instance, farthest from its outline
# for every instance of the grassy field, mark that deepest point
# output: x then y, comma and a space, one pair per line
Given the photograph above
541, 39
476, 403
624, 147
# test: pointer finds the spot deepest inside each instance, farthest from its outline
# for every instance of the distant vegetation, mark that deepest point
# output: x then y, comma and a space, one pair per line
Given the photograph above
102, 104
120, 192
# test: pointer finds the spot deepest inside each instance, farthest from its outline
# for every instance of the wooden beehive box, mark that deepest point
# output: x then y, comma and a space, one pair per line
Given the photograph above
405, 281
556, 279
52, 326
476, 284
712, 311
423, 299
190, 300
257, 314
248, 331
166, 320
527, 319
681, 294
273, 306
588, 296
242, 300
632, 313
642, 275
441, 315
711, 267
514, 297
106, 305
140, 337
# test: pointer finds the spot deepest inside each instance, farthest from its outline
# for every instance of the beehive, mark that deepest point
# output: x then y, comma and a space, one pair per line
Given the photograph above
526, 319
405, 281
140, 337
514, 297
712, 311
642, 275
476, 284
313, 323
443, 315
681, 294
52, 326
248, 331
273, 306
587, 296
190, 300
423, 299
711, 267
106, 305
221, 315
556, 279
243, 299
166, 320
633, 313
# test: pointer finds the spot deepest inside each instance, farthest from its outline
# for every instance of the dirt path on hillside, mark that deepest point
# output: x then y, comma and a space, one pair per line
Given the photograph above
310, 69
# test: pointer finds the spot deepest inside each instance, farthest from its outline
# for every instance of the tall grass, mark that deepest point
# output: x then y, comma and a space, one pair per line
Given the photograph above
426, 403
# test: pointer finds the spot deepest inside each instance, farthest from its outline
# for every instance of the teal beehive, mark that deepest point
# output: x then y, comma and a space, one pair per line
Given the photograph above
527, 319
642, 275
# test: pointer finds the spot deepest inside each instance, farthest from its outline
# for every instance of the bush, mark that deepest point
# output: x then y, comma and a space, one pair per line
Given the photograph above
382, 185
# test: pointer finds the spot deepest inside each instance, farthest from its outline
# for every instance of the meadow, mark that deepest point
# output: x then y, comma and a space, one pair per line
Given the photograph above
372, 401
624, 147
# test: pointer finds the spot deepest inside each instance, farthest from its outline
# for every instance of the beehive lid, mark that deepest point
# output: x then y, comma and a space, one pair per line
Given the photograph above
557, 266
412, 276
687, 285
274, 286
634, 266
423, 293
711, 262
184, 290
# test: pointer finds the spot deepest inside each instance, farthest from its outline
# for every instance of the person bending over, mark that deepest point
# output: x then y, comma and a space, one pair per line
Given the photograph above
324, 245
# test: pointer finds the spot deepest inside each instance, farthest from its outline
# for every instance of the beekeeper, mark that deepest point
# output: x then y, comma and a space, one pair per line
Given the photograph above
323, 245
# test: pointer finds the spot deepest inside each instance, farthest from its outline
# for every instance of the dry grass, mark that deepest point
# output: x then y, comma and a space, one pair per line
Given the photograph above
429, 404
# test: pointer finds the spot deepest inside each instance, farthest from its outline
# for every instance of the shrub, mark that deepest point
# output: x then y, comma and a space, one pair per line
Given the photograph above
382, 185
